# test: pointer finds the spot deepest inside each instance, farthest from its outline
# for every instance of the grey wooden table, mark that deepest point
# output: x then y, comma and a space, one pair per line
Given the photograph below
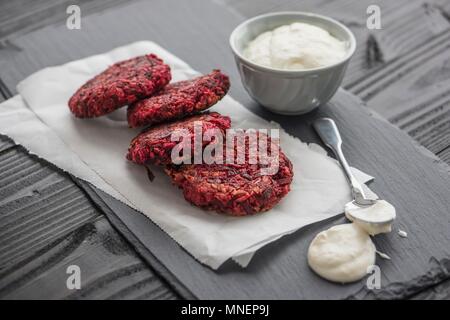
47, 222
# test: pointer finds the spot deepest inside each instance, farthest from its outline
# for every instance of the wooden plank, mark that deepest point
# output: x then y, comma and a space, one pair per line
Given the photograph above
412, 93
30, 221
444, 6
387, 75
371, 144
5, 143
14, 20
60, 223
445, 155
108, 269
73, 46
46, 224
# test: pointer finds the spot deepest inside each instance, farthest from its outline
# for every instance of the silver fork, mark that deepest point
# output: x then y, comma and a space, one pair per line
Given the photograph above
329, 133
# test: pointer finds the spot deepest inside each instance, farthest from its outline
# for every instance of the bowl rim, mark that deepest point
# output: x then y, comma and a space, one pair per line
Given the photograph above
350, 52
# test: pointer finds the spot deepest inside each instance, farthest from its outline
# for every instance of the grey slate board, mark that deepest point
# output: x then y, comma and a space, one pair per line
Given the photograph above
280, 270
415, 181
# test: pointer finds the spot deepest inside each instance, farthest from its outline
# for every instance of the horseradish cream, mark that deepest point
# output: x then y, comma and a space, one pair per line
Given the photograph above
297, 46
380, 211
342, 253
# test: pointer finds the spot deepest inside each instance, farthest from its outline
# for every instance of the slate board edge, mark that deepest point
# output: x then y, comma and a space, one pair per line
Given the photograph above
163, 272
160, 270
439, 273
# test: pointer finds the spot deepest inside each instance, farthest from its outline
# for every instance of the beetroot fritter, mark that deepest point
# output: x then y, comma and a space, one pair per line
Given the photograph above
234, 189
121, 84
155, 146
179, 99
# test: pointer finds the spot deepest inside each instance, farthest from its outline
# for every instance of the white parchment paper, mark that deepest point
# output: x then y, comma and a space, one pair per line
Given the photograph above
94, 150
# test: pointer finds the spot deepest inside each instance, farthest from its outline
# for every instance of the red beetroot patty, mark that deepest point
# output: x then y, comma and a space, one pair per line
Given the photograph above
233, 189
179, 99
122, 83
154, 145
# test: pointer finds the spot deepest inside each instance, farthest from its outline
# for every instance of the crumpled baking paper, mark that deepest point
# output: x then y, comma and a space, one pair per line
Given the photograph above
94, 150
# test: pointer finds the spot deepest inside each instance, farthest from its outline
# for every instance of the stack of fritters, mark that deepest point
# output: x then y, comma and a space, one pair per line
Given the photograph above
169, 109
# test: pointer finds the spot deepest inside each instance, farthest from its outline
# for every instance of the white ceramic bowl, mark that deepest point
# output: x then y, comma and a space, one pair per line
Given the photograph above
290, 92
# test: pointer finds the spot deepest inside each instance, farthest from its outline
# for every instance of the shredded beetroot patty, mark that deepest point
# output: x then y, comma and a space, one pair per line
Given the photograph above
154, 145
121, 84
234, 189
179, 99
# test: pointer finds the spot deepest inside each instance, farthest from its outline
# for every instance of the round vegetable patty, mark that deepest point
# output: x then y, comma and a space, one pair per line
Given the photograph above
154, 145
234, 189
121, 84
179, 99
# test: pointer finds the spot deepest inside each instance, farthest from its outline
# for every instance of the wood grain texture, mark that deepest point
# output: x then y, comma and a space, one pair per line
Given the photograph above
5, 143
412, 92
21, 16
46, 224
266, 276
30, 221
29, 53
50, 223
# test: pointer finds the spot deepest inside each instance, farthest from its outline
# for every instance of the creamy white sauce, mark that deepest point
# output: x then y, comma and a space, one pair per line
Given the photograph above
297, 46
372, 228
342, 253
380, 211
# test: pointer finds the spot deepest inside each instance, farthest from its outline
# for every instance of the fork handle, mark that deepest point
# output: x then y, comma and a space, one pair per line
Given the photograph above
327, 130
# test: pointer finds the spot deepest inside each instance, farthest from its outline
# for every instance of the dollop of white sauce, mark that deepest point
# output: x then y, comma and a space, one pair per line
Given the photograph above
342, 253
297, 46
380, 211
